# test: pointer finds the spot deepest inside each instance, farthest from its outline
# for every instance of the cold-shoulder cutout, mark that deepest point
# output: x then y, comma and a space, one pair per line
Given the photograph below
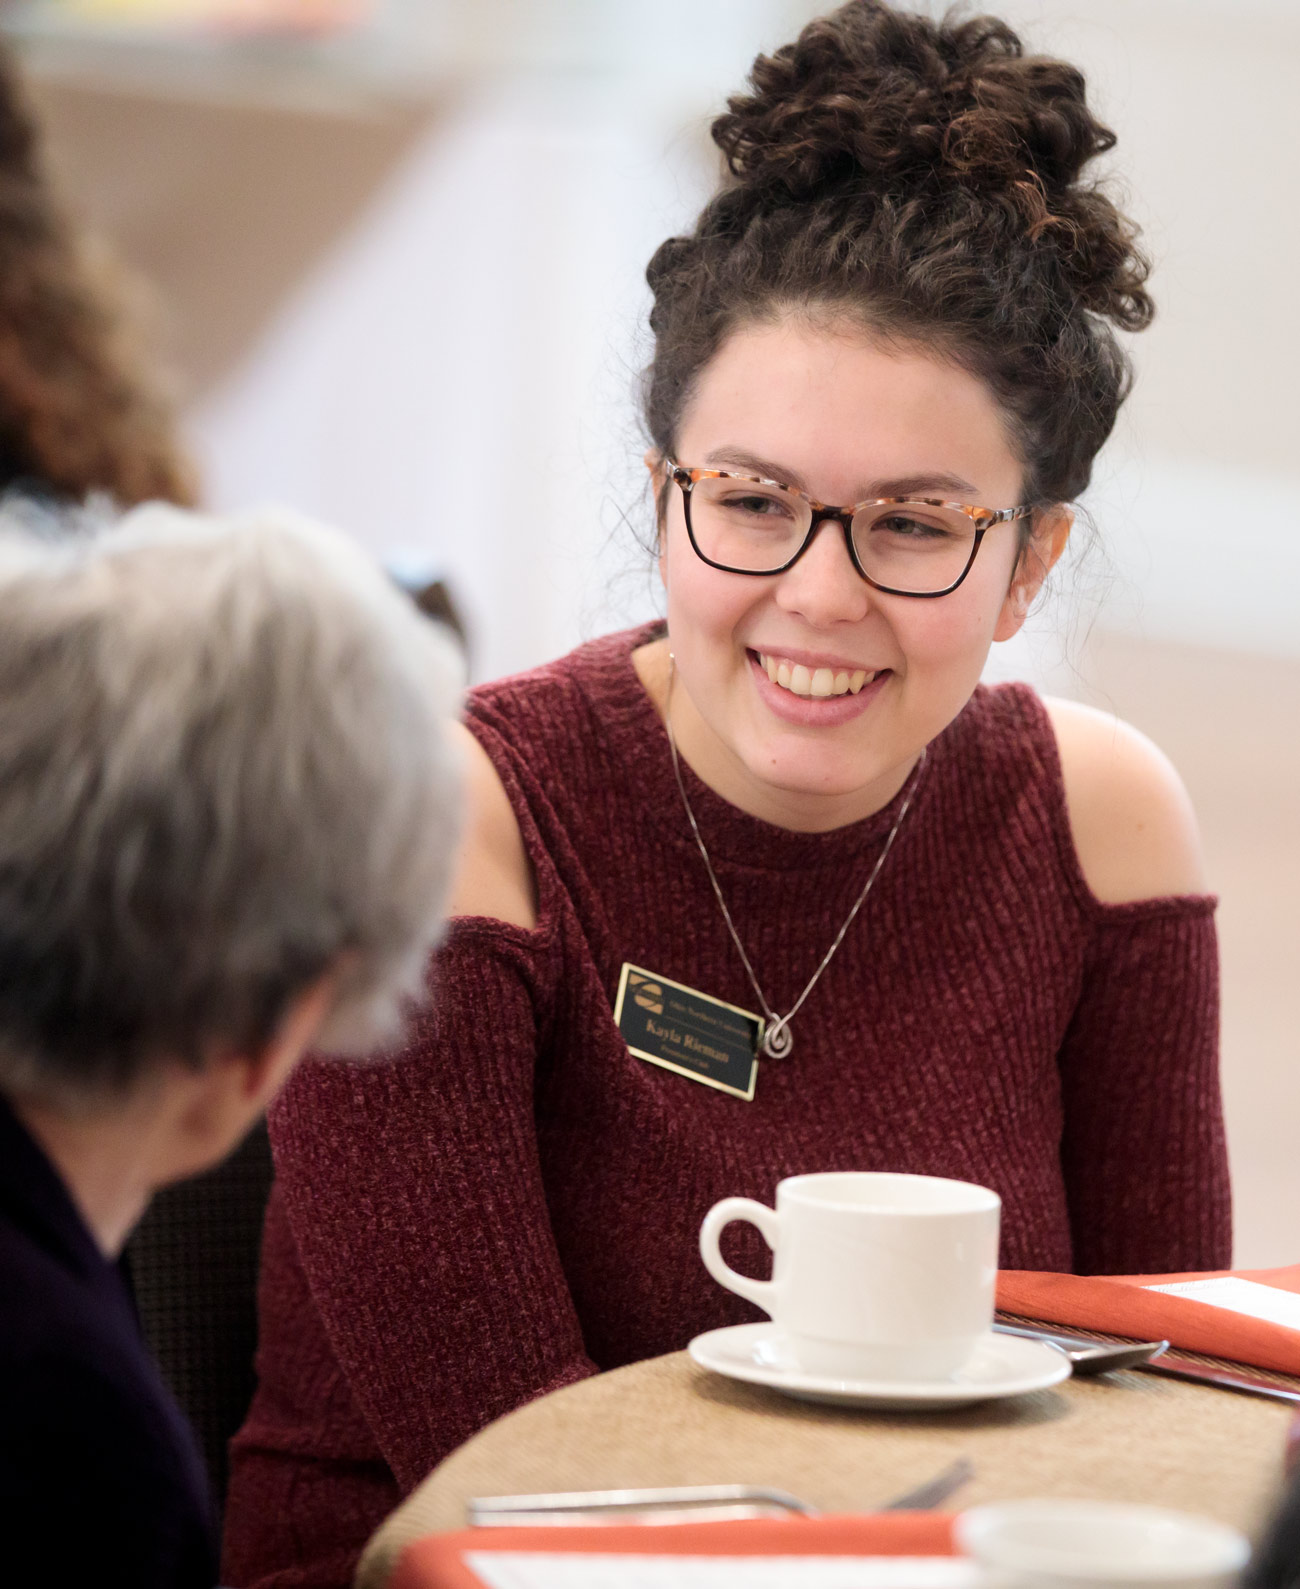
493, 876
1131, 819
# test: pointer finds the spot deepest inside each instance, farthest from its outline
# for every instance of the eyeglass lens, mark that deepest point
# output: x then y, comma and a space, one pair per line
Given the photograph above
759, 528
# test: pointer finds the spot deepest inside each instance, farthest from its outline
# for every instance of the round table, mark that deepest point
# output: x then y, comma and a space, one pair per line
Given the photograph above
1131, 1436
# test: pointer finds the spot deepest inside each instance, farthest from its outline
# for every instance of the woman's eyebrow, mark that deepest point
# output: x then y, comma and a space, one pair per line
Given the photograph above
751, 463
904, 486
918, 485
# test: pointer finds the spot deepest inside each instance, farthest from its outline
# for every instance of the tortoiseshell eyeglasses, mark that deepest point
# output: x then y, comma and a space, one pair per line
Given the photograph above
904, 546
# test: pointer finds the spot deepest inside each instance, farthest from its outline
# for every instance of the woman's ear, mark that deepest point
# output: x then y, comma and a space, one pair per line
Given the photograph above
654, 462
267, 1070
1038, 557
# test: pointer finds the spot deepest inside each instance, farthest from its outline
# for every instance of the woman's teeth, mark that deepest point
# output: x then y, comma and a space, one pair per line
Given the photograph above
800, 680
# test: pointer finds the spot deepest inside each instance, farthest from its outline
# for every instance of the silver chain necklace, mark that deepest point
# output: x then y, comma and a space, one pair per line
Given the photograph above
777, 1039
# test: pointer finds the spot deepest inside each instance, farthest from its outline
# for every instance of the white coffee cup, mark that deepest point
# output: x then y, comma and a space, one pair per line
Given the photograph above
1077, 1544
874, 1276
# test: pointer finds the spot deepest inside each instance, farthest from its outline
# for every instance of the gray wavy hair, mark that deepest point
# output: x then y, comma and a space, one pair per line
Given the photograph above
223, 772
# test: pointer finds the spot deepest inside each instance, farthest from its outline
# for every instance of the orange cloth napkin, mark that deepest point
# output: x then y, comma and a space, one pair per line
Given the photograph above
437, 1561
1118, 1305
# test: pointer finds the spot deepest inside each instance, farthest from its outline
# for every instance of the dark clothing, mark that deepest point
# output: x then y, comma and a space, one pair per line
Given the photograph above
514, 1201
100, 1480
1276, 1560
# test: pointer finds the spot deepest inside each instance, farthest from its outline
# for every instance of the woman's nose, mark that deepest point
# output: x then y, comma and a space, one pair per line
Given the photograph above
824, 587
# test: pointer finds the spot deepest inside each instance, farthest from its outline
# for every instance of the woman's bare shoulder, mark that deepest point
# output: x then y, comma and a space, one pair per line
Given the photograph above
493, 875
1133, 826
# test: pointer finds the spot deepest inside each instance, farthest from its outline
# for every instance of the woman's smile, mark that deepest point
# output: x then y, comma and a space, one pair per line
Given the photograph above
811, 694
813, 675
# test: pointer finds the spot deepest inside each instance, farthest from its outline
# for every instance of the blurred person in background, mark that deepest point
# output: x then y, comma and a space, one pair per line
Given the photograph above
78, 412
228, 807
974, 922
1275, 1561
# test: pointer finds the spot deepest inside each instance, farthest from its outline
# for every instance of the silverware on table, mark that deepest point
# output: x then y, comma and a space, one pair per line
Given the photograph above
1155, 1357
1091, 1357
701, 1502
710, 1503
1242, 1380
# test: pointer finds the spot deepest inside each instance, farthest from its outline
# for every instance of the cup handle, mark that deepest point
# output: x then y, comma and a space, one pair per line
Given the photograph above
760, 1292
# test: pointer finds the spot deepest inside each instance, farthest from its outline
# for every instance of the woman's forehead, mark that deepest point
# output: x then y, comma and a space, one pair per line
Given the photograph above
832, 409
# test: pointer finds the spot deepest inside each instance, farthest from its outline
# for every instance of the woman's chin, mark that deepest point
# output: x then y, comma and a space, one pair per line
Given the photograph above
821, 782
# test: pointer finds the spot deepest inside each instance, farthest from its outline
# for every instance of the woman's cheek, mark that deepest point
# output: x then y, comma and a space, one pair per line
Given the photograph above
956, 631
705, 604
941, 640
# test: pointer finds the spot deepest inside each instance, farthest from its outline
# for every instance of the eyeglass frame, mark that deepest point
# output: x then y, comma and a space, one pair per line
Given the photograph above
982, 518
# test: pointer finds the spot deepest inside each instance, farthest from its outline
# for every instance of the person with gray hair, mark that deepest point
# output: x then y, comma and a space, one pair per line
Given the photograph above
228, 809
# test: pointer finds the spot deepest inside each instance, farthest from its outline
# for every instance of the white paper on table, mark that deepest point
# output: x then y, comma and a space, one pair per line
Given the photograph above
500, 1569
1240, 1296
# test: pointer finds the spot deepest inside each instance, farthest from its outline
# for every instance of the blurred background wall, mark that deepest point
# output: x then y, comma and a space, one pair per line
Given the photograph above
397, 271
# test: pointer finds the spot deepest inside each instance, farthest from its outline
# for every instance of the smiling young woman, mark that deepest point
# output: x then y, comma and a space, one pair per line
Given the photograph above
969, 926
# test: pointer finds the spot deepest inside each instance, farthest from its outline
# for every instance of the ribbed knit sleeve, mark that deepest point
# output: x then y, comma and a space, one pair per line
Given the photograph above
1143, 1153
415, 1199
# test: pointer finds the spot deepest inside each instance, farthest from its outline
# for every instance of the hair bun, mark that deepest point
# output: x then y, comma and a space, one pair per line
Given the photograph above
871, 103
872, 95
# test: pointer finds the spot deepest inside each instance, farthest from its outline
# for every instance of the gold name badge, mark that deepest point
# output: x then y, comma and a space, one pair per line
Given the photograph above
687, 1031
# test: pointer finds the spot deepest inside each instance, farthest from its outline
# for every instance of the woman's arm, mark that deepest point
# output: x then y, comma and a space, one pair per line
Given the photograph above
413, 1185
1143, 1148
493, 876
414, 1192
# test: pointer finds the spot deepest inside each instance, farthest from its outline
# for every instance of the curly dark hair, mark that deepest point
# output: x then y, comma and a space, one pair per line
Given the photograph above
77, 411
927, 179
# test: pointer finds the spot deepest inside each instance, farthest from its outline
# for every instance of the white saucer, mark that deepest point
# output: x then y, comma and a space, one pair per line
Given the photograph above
1000, 1365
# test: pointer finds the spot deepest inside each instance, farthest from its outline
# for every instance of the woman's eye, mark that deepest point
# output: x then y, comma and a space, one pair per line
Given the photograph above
756, 505
907, 528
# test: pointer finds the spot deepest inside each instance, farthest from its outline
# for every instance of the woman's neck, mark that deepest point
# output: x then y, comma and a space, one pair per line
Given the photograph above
104, 1160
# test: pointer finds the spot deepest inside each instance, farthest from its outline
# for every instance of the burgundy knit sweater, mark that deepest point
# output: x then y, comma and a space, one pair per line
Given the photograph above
514, 1201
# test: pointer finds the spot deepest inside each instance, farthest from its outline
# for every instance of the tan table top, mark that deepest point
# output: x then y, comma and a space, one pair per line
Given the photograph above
1130, 1436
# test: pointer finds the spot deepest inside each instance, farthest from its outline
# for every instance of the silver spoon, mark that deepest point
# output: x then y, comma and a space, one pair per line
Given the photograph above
1091, 1357
687, 1504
